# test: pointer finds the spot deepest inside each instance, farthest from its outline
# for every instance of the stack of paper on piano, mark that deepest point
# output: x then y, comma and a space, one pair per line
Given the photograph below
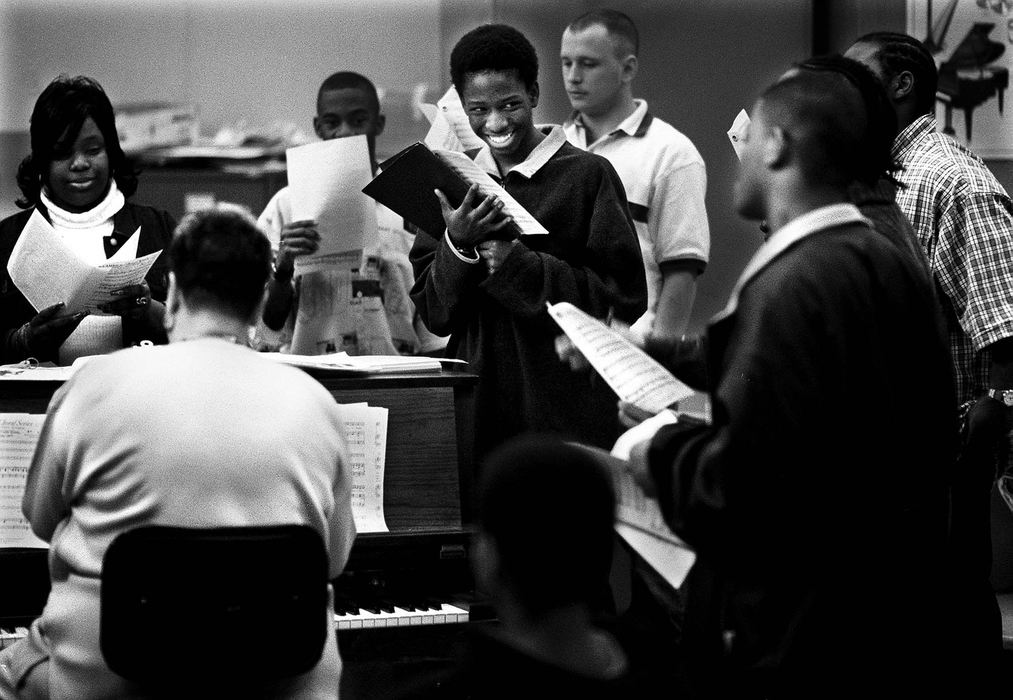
407, 181
47, 271
360, 364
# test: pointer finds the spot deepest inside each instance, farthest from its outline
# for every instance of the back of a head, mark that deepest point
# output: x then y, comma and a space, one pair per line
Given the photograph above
493, 47
221, 260
881, 120
824, 119
60, 110
549, 507
901, 52
348, 80
619, 26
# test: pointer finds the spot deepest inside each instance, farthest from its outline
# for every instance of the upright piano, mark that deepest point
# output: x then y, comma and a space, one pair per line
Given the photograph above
404, 594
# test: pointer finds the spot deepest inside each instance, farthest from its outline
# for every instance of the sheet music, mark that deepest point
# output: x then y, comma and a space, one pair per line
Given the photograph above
118, 273
19, 433
633, 374
737, 133
454, 128
47, 271
640, 523
325, 181
471, 172
366, 439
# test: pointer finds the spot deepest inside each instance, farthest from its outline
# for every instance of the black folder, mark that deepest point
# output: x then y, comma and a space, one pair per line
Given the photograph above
405, 185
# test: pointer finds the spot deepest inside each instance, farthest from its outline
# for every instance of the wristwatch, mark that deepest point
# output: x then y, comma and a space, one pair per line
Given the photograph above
1004, 395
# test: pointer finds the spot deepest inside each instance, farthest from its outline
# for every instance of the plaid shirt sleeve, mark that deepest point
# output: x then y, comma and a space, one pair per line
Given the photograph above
975, 264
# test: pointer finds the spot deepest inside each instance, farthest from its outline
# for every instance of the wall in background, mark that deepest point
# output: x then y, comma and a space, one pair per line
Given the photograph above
262, 60
700, 63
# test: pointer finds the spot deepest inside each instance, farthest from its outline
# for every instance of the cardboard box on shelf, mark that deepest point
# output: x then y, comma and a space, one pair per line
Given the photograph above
156, 125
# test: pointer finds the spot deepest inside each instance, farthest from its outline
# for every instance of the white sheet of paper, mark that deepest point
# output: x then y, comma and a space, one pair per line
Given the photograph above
325, 180
635, 376
47, 271
640, 523
366, 441
738, 132
471, 172
19, 433
118, 273
453, 111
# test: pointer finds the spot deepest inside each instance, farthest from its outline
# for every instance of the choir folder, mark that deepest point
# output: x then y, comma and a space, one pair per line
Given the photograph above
407, 179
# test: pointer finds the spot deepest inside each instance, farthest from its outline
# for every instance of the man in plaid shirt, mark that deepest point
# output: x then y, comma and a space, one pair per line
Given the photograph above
963, 219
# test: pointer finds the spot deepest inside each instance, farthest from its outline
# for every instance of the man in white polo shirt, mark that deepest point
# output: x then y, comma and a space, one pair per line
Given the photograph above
663, 173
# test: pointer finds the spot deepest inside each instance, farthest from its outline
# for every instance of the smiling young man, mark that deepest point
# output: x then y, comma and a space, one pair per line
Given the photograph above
661, 169
489, 294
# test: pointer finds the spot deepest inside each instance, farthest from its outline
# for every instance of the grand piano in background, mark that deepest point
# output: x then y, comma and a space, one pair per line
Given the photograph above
966, 78
420, 566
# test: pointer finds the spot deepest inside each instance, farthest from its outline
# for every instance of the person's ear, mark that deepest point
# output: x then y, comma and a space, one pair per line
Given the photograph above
172, 302
379, 123
485, 562
533, 94
776, 148
630, 66
902, 86
316, 127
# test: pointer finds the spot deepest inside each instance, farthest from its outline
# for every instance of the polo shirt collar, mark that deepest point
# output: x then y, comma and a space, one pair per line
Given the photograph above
788, 235
539, 156
912, 133
634, 125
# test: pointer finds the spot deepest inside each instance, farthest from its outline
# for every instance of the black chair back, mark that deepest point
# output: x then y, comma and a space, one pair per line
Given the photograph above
236, 603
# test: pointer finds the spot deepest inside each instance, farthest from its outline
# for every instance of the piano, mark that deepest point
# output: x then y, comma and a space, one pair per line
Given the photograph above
406, 597
967, 79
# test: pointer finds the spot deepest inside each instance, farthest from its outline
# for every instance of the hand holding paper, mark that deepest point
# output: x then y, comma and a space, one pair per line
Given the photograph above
634, 375
48, 272
325, 180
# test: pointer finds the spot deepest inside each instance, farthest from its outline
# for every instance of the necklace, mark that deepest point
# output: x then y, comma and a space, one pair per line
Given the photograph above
221, 336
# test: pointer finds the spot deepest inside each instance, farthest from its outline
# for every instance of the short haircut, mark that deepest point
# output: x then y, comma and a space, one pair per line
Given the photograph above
221, 259
56, 121
549, 507
618, 25
877, 159
344, 80
494, 47
824, 118
900, 52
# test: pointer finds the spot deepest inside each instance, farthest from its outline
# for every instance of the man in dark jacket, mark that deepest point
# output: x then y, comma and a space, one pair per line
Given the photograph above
816, 501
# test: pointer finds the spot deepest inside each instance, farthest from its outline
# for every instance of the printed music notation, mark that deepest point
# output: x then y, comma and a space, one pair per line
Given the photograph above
366, 442
19, 433
635, 376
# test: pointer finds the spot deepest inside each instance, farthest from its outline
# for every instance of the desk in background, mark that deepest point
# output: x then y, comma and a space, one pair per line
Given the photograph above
183, 186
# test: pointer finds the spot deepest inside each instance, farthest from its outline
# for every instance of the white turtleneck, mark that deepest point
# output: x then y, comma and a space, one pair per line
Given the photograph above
83, 233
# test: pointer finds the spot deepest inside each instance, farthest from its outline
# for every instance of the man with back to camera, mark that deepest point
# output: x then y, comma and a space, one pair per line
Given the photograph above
202, 432
662, 172
816, 501
963, 219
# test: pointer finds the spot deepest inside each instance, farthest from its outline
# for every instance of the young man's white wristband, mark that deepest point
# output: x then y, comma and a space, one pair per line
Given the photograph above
469, 256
